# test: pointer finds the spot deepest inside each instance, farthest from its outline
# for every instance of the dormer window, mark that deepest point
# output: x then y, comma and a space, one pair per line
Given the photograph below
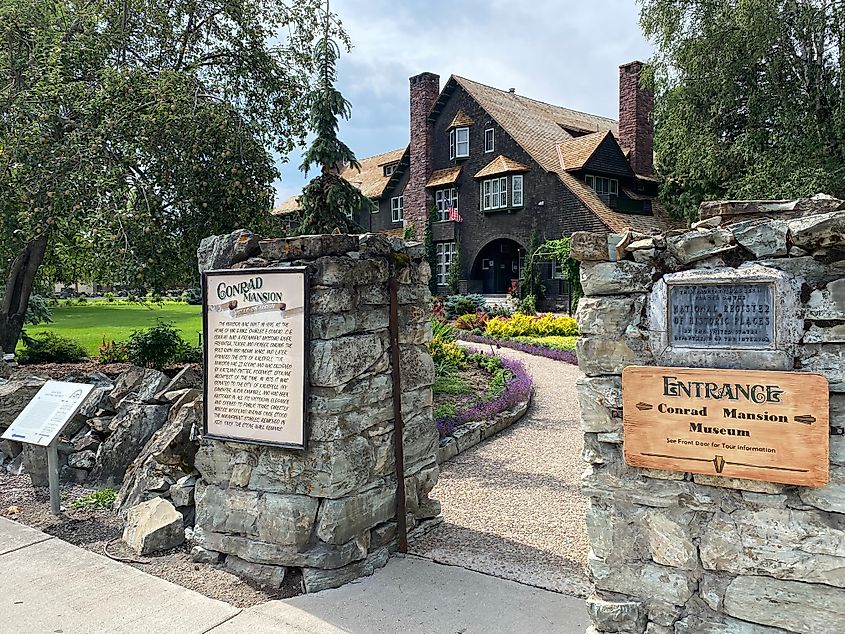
459, 143
603, 186
389, 169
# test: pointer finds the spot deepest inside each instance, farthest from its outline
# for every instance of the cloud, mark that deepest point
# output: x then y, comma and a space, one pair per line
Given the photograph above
560, 51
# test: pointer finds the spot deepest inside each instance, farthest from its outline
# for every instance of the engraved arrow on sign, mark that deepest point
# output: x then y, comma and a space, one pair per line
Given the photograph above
643, 407
807, 419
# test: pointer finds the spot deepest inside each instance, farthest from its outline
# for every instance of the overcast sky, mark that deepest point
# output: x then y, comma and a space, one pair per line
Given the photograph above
566, 52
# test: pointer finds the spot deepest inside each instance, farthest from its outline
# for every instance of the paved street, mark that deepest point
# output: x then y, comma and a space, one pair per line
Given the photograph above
512, 505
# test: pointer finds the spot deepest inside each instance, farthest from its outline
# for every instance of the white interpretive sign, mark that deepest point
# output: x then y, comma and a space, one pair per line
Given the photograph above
48, 412
255, 324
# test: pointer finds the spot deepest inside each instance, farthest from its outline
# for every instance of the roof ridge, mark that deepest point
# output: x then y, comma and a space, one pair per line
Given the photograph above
375, 156
545, 103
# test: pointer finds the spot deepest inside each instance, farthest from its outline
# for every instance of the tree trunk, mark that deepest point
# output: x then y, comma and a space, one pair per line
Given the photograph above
18, 289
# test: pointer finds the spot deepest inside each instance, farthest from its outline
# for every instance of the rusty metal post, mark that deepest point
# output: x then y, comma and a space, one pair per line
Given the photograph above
398, 424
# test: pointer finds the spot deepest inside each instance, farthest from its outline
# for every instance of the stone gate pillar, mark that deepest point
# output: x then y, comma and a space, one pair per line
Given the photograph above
330, 510
697, 553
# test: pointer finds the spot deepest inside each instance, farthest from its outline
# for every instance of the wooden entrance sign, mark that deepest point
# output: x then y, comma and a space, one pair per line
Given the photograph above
770, 426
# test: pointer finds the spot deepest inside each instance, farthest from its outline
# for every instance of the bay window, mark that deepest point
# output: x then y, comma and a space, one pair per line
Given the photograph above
445, 199
493, 193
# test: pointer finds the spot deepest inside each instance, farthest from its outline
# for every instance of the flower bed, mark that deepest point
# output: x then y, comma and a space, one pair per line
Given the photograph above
476, 420
530, 348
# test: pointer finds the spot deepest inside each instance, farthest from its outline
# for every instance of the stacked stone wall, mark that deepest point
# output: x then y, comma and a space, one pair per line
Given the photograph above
683, 553
330, 510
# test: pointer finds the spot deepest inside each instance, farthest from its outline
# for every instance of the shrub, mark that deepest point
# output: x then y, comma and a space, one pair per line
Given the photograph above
37, 310
109, 297
48, 347
501, 311
471, 321
554, 342
527, 305
188, 353
113, 352
82, 299
521, 325
447, 409
442, 330
154, 347
488, 362
448, 357
456, 305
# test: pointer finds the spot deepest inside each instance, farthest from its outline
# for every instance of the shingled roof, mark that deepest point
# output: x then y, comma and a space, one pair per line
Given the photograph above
370, 179
541, 129
500, 165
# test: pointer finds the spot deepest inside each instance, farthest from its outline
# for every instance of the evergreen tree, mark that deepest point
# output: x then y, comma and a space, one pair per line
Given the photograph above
328, 198
453, 275
430, 252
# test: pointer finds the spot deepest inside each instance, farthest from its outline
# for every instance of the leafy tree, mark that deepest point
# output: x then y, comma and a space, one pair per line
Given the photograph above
748, 98
327, 202
130, 130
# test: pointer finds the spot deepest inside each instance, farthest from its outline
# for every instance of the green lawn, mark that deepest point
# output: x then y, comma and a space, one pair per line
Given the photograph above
88, 324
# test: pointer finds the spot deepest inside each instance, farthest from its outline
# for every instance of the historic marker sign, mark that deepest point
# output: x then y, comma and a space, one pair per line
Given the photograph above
255, 325
750, 424
48, 412
721, 315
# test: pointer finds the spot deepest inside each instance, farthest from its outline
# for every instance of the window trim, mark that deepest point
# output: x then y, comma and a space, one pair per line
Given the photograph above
441, 250
443, 212
492, 147
455, 143
397, 204
494, 190
591, 180
521, 190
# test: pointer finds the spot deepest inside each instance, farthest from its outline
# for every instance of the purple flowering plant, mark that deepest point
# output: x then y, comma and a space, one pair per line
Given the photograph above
518, 388
566, 356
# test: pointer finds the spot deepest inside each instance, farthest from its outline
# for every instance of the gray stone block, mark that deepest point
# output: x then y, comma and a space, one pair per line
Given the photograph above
613, 278
793, 606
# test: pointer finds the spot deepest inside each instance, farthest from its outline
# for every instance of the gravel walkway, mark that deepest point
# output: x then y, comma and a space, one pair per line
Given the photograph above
512, 505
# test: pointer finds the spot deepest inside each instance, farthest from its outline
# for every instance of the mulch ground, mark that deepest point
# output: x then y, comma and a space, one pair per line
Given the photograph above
99, 530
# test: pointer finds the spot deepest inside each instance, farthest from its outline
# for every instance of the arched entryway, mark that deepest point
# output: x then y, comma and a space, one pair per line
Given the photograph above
497, 265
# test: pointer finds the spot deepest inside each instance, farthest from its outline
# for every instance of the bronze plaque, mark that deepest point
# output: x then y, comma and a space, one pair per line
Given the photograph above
721, 316
751, 424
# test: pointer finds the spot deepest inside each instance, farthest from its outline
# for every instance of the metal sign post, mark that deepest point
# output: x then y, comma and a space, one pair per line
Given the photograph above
53, 476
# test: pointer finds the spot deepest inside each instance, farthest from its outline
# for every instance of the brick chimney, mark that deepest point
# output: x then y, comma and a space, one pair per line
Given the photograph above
636, 125
425, 88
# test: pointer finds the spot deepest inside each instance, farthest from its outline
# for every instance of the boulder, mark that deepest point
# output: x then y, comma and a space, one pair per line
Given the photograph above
133, 428
182, 491
15, 395
762, 237
301, 247
612, 278
700, 244
609, 315
264, 575
221, 252
144, 383
82, 460
818, 231
153, 526
188, 377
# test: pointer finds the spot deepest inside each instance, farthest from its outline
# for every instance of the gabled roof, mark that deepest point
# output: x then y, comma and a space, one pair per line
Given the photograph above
540, 128
370, 179
445, 176
461, 119
500, 165
575, 152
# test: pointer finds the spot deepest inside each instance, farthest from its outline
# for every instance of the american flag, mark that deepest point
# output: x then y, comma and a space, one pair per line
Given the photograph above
454, 215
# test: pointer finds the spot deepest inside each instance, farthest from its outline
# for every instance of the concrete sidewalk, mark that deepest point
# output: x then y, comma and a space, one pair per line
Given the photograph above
47, 585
